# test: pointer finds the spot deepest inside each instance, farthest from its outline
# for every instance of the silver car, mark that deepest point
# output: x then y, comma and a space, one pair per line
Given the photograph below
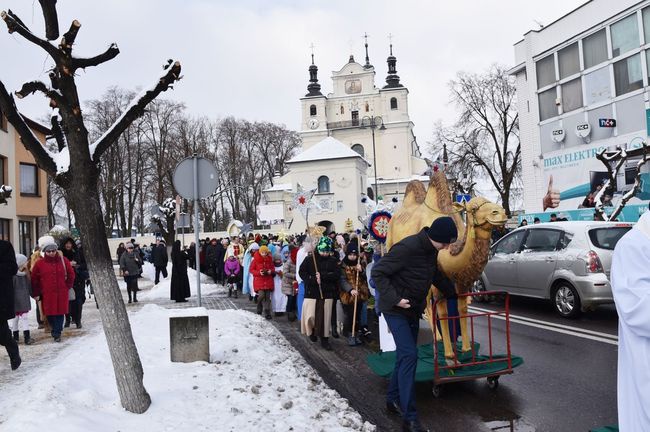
565, 262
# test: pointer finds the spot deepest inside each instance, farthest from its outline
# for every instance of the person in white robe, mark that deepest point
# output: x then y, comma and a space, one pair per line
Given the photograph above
630, 279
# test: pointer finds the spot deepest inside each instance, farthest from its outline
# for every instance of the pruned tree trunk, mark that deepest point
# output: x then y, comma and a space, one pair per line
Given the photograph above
77, 173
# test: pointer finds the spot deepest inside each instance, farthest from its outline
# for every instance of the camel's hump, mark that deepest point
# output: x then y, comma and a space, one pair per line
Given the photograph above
414, 194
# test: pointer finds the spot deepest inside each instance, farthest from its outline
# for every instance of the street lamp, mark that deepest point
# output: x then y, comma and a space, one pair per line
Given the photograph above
373, 122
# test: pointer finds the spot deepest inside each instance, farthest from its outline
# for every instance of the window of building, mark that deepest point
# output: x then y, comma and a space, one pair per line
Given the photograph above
594, 48
5, 229
393, 103
647, 61
547, 106
572, 95
25, 237
627, 75
367, 107
545, 71
569, 60
3, 121
625, 35
312, 110
646, 24
3, 164
342, 110
28, 179
323, 184
339, 206
355, 118
359, 149
598, 86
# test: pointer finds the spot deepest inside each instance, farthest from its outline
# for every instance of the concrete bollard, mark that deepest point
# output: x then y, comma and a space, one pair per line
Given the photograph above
189, 338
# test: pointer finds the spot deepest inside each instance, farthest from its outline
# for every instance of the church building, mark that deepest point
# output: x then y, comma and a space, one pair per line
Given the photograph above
357, 140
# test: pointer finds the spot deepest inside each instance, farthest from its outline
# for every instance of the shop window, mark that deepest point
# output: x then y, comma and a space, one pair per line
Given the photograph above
625, 35
547, 106
312, 110
594, 48
627, 75
572, 95
28, 179
359, 149
323, 184
5, 229
598, 86
569, 60
3, 167
545, 71
393, 103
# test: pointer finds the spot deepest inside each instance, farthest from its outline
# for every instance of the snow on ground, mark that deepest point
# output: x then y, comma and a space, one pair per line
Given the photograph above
162, 290
255, 381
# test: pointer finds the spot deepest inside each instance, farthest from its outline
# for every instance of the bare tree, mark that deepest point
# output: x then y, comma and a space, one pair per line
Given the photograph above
484, 141
75, 167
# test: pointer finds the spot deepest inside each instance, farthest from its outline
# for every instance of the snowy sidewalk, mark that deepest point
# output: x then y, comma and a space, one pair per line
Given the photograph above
255, 380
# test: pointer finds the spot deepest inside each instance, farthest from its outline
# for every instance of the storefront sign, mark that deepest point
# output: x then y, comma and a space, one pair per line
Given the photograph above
607, 123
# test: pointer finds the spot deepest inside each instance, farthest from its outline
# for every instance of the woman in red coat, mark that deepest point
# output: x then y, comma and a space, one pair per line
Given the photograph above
52, 278
263, 271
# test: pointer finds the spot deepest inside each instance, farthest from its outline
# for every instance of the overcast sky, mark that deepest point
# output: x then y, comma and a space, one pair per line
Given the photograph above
249, 58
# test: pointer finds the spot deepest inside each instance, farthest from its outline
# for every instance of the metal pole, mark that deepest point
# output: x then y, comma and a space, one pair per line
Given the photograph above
374, 157
196, 226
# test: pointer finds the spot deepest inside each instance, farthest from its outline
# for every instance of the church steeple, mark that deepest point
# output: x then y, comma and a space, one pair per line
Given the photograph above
392, 80
313, 88
367, 65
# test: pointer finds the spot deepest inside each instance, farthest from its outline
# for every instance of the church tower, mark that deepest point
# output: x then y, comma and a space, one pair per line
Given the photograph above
314, 117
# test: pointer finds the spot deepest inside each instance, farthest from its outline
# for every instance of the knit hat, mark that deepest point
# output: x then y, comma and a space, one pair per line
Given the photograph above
443, 230
21, 260
351, 248
264, 249
255, 247
324, 245
49, 246
45, 240
128, 245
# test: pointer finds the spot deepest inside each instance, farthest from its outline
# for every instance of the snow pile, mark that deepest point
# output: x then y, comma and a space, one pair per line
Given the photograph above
163, 290
256, 381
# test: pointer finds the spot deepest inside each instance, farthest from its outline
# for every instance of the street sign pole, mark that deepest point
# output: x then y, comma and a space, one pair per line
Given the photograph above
195, 163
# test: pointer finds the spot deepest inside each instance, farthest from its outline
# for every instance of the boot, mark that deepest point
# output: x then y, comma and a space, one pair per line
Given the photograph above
291, 316
16, 336
135, 296
129, 297
352, 341
335, 332
28, 338
365, 331
325, 343
67, 321
14, 355
313, 337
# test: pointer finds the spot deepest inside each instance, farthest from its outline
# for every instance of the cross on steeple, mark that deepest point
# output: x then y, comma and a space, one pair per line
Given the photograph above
312, 46
390, 41
367, 65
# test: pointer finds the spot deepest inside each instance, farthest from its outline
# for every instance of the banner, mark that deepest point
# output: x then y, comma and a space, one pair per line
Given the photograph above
573, 176
270, 214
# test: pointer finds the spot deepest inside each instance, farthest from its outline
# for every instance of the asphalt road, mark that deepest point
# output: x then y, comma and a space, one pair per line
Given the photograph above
566, 384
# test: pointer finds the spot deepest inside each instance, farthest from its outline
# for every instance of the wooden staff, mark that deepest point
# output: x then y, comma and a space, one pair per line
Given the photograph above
313, 255
356, 287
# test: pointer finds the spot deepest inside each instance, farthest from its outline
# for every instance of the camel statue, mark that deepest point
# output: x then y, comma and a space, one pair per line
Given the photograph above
465, 259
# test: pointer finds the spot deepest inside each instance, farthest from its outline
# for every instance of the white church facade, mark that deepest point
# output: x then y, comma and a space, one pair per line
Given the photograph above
356, 139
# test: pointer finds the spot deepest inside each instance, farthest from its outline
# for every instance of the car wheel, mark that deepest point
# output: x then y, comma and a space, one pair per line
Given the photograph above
479, 287
566, 300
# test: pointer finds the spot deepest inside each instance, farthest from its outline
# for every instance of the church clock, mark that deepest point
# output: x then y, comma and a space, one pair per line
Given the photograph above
312, 123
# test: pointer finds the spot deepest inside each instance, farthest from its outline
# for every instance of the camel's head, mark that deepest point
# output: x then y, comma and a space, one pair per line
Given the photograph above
483, 213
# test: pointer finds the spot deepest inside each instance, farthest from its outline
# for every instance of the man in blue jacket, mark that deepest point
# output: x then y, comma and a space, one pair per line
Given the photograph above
403, 277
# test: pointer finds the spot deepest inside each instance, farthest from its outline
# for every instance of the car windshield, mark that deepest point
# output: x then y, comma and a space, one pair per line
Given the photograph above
606, 238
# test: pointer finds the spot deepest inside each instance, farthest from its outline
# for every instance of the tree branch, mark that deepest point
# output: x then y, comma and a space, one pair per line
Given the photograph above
57, 133
31, 143
109, 54
70, 36
51, 19
135, 109
14, 24
56, 99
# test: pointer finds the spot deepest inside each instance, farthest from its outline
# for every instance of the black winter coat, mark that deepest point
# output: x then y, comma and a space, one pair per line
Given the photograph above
8, 269
330, 275
159, 255
212, 253
407, 272
180, 283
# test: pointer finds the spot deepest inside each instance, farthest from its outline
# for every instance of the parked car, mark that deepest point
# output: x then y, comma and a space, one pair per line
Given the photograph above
567, 263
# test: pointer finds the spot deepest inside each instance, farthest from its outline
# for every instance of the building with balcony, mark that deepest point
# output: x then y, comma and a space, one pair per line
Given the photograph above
582, 86
24, 217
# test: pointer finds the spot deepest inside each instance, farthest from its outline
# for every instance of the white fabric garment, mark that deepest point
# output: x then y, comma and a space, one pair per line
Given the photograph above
20, 322
302, 253
278, 300
630, 278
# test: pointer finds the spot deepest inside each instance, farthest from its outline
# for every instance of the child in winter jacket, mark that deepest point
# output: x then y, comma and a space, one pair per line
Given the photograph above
279, 300
263, 270
232, 269
289, 283
22, 301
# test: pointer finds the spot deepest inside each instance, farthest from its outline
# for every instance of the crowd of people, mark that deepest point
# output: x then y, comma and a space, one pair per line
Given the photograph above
55, 276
